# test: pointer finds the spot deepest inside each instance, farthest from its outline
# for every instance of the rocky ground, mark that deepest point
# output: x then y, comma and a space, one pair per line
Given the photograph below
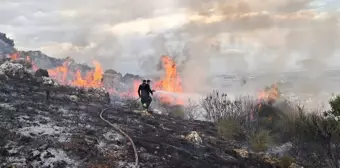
66, 131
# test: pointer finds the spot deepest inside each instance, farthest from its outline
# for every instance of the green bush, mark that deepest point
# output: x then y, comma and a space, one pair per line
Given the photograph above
260, 141
178, 112
230, 129
286, 161
335, 106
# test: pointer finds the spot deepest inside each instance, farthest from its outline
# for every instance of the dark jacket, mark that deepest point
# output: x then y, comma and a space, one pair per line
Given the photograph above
144, 90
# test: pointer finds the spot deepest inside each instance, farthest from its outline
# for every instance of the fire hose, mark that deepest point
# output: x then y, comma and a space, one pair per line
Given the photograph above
116, 127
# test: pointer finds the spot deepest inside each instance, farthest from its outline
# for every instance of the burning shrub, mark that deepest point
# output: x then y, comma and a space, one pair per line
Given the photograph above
270, 94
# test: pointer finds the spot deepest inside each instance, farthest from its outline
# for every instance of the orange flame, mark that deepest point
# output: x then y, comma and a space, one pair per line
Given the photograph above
93, 79
59, 73
14, 56
269, 95
171, 82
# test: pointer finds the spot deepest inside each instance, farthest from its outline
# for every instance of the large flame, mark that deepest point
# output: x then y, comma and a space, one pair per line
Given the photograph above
92, 79
170, 82
60, 73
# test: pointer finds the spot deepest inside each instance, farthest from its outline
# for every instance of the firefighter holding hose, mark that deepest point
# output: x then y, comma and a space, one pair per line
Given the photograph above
144, 92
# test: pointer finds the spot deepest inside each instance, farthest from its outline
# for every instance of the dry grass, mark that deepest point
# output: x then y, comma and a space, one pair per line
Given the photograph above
278, 123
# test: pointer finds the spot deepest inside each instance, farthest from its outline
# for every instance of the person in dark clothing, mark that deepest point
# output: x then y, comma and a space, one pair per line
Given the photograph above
40, 73
144, 92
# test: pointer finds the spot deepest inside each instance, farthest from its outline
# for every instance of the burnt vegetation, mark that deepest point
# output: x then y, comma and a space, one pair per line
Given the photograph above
66, 131
243, 133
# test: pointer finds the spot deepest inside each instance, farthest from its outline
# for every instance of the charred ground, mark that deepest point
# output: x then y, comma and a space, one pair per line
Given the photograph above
66, 131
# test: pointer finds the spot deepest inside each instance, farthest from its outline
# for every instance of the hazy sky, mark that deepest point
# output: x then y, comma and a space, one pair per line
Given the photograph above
271, 35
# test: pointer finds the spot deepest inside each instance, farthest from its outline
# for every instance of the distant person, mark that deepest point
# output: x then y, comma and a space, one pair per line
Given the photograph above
144, 93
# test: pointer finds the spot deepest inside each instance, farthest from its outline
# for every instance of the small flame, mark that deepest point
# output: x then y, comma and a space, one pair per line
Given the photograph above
14, 56
269, 95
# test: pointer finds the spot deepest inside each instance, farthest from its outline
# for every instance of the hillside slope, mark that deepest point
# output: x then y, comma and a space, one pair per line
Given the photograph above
67, 131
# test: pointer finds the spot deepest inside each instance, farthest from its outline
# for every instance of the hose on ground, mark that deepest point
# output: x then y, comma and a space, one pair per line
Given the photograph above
122, 132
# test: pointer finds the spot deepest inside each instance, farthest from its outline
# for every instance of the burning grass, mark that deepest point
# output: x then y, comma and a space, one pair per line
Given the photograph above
170, 82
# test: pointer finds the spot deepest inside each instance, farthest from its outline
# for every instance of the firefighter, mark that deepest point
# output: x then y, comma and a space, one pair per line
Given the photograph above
144, 92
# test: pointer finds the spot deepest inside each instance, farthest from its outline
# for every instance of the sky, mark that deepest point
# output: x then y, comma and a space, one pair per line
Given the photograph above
217, 36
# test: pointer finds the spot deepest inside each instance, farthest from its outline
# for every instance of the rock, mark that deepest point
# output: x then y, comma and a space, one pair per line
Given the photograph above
156, 111
145, 114
293, 165
73, 98
242, 153
49, 81
41, 73
194, 137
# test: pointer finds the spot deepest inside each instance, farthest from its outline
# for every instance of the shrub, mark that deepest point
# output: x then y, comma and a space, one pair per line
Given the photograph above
192, 110
321, 133
260, 141
230, 129
218, 106
283, 121
286, 161
177, 111
335, 107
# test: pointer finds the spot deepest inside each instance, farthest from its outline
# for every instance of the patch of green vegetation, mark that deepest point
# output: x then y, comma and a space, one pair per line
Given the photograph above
229, 129
260, 141
286, 161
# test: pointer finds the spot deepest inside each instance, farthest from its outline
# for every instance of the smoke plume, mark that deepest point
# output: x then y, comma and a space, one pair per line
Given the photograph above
241, 36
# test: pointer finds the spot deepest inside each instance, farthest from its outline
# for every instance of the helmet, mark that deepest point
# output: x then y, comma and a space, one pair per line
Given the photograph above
148, 81
144, 81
